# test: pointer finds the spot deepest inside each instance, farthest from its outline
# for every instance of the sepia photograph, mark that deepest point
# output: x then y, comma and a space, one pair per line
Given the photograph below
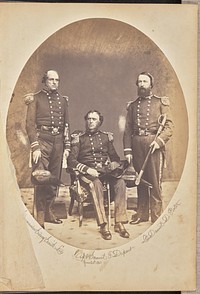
101, 147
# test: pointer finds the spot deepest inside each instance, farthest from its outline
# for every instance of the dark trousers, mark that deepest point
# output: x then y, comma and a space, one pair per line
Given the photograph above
118, 193
51, 160
148, 199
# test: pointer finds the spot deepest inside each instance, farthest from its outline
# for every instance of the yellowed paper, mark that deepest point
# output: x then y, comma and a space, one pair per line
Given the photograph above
98, 50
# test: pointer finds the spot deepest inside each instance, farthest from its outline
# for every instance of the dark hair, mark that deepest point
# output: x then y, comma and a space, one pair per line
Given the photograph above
99, 114
146, 74
45, 76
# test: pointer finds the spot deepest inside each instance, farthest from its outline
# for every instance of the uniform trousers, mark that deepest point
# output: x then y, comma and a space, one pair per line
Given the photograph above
148, 199
51, 159
118, 194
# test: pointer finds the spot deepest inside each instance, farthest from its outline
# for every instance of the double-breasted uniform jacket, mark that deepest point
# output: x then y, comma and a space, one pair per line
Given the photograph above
142, 124
96, 150
47, 111
142, 119
92, 150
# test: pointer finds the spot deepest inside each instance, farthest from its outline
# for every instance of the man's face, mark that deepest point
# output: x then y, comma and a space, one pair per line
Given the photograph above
92, 122
144, 85
52, 80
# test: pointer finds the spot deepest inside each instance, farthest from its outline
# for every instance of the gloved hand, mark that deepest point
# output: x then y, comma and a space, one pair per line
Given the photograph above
113, 165
129, 158
64, 161
154, 145
92, 172
36, 155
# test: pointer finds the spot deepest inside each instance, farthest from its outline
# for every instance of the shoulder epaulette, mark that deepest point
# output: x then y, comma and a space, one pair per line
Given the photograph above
109, 134
75, 136
66, 98
29, 98
128, 104
164, 100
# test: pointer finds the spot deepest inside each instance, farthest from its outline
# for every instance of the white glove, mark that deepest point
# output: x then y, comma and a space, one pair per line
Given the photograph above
36, 156
154, 145
64, 161
129, 158
92, 172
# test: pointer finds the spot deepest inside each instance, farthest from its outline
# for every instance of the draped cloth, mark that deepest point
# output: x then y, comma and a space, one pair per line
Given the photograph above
19, 269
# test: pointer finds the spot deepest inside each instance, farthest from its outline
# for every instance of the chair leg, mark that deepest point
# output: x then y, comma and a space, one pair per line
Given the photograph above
80, 212
34, 213
71, 205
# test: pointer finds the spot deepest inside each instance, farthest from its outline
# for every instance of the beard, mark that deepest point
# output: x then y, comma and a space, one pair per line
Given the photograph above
142, 92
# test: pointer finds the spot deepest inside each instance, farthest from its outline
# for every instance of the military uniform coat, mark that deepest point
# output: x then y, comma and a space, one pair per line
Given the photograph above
47, 126
95, 150
142, 123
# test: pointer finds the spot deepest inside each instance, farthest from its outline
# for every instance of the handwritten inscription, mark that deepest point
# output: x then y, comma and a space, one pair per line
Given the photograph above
98, 258
163, 220
49, 240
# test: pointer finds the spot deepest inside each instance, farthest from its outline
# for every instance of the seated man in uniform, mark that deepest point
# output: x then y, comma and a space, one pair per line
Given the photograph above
90, 153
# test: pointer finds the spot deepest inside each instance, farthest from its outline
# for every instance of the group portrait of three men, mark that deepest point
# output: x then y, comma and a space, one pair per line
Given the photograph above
92, 153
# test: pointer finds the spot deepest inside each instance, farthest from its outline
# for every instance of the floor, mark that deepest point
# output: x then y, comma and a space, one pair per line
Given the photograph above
87, 236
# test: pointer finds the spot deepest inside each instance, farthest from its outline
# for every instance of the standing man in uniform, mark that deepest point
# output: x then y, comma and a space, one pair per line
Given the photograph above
142, 123
92, 152
47, 126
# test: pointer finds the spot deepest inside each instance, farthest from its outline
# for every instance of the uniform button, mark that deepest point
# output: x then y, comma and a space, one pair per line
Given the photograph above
59, 122
59, 107
148, 113
52, 122
146, 124
56, 94
60, 117
51, 111
52, 116
50, 101
92, 143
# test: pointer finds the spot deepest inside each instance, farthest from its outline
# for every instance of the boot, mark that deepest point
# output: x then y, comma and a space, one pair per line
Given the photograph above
49, 216
40, 218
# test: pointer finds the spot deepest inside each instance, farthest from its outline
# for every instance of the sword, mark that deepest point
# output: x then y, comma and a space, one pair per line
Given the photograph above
162, 120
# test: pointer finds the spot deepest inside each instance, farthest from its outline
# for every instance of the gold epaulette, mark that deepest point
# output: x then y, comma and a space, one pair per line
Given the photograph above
29, 98
75, 136
128, 104
110, 135
164, 100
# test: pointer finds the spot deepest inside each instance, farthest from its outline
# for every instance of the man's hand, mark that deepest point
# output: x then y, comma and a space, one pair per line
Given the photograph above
113, 165
64, 161
154, 145
92, 172
36, 156
129, 158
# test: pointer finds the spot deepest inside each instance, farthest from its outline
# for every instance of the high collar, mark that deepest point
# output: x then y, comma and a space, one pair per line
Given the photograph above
49, 91
146, 97
92, 133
